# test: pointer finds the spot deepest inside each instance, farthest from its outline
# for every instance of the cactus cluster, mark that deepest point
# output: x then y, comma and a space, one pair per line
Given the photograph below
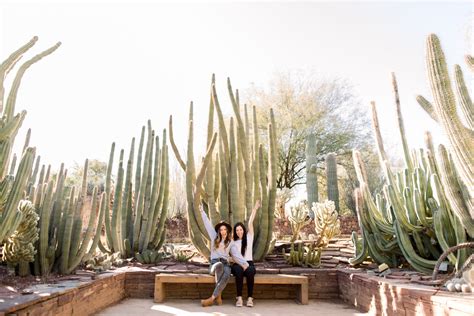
137, 218
17, 220
62, 244
326, 221
103, 262
236, 171
304, 256
19, 248
298, 219
427, 207
150, 256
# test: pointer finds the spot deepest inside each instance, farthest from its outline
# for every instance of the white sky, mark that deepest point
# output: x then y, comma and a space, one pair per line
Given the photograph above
121, 64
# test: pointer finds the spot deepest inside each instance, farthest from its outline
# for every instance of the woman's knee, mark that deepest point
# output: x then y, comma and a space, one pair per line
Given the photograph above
250, 271
237, 270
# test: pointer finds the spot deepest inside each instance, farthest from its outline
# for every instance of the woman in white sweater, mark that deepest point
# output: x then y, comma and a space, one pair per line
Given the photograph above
243, 240
221, 247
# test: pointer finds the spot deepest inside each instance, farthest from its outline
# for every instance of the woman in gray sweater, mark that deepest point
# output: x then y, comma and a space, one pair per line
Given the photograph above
221, 248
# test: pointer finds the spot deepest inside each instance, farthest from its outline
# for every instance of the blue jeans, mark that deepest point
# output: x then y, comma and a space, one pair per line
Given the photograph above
220, 268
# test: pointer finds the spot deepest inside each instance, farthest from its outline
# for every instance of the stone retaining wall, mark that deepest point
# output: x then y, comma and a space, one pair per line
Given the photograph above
71, 298
375, 295
380, 296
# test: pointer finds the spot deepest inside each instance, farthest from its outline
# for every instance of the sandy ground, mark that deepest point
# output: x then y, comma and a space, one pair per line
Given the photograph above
144, 307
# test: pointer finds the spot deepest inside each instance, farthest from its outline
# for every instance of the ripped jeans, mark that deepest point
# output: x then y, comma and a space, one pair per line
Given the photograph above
220, 268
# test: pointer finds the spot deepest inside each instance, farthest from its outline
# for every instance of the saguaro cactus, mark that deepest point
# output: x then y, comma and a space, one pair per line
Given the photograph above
137, 219
311, 172
229, 185
331, 179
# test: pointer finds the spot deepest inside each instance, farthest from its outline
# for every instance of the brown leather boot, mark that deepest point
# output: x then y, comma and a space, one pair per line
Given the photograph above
207, 302
219, 299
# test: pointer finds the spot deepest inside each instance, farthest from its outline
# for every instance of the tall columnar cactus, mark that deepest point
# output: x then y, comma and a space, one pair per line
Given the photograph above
137, 218
19, 248
12, 187
62, 244
460, 137
234, 173
331, 179
311, 172
414, 218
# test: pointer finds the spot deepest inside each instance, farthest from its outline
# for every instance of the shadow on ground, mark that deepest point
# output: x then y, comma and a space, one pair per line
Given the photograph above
145, 307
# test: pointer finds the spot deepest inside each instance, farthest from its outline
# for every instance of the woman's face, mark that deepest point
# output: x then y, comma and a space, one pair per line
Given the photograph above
240, 232
223, 231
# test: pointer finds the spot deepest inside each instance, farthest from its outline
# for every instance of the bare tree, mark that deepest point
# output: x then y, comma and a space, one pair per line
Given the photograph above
304, 103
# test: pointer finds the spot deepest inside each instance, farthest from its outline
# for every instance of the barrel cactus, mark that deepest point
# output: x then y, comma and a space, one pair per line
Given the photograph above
137, 218
19, 248
234, 173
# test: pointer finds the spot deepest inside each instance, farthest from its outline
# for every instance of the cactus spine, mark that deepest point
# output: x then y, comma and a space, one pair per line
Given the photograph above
331, 179
229, 185
311, 172
137, 218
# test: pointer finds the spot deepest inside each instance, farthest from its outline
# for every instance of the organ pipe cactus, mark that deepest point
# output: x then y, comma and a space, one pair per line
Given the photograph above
62, 244
137, 218
12, 188
416, 217
331, 179
460, 137
234, 173
19, 248
311, 172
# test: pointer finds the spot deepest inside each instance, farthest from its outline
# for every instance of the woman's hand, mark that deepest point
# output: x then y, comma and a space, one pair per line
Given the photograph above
257, 205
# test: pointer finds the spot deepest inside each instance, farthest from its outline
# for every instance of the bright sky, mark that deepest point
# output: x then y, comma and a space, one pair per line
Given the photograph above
121, 64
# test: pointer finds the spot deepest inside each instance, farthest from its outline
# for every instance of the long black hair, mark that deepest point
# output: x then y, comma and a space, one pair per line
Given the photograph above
244, 237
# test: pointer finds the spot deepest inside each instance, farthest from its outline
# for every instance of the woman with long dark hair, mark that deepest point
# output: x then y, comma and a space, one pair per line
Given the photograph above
243, 241
221, 247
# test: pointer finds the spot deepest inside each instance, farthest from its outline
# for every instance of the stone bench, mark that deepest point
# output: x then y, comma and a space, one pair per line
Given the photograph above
163, 278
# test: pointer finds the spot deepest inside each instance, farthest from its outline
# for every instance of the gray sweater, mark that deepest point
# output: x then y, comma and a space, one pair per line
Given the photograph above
222, 251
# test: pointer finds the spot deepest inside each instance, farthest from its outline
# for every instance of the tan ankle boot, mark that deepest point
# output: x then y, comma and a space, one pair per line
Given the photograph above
219, 299
207, 302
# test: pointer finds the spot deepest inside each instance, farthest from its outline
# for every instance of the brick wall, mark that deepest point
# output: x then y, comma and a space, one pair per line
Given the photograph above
86, 299
395, 297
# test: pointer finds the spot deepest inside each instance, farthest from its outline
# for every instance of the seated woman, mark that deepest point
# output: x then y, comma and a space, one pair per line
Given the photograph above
244, 243
221, 246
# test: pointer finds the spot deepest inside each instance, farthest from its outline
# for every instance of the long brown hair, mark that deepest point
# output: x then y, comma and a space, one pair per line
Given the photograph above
218, 239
